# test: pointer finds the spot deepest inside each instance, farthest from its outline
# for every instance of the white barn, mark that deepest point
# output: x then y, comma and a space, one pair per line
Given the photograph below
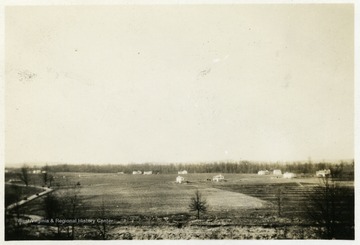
179, 179
136, 172
263, 172
323, 173
288, 175
277, 172
218, 178
147, 172
182, 172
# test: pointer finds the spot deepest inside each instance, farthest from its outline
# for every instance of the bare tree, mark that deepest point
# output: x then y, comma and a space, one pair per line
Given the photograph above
279, 200
53, 204
198, 204
331, 208
64, 203
24, 175
47, 178
104, 227
72, 206
45, 174
13, 225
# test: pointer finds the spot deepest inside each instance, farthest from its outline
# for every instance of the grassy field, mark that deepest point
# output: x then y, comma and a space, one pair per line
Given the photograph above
160, 195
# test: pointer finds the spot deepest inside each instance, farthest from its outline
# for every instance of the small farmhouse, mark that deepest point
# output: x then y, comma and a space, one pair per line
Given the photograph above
277, 172
263, 172
323, 173
288, 175
136, 172
179, 179
218, 178
147, 172
182, 172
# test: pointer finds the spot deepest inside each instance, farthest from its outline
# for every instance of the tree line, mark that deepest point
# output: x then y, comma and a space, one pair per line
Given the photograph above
245, 167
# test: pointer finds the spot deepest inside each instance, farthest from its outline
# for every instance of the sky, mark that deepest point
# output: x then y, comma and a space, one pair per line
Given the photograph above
170, 83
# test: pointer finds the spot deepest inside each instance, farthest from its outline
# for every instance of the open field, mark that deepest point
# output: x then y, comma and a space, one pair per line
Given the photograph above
155, 194
160, 195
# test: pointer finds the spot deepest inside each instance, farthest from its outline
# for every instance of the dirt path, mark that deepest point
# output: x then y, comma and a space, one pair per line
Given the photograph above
45, 191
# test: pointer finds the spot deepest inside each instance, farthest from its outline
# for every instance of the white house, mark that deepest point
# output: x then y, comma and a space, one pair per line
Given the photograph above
323, 173
179, 179
288, 175
137, 172
182, 172
263, 172
147, 172
120, 172
218, 178
277, 172
36, 171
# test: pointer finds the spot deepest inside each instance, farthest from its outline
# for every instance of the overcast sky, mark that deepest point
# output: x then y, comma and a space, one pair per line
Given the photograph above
121, 84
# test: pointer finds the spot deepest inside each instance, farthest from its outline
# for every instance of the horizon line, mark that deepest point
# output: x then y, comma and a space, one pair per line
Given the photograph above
17, 164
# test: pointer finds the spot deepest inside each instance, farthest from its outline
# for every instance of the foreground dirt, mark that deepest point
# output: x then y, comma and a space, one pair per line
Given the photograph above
175, 228
205, 233
192, 232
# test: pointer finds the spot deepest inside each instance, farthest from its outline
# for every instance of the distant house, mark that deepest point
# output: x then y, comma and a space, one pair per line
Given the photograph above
277, 172
147, 172
120, 172
323, 173
43, 171
136, 172
263, 172
179, 179
36, 171
288, 175
218, 178
182, 172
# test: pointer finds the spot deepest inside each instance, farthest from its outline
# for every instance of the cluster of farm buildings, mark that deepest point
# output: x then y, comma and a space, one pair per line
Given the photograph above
30, 171
289, 175
218, 178
138, 172
179, 179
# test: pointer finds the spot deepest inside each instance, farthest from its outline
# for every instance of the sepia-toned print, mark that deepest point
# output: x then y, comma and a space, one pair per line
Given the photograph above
179, 122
